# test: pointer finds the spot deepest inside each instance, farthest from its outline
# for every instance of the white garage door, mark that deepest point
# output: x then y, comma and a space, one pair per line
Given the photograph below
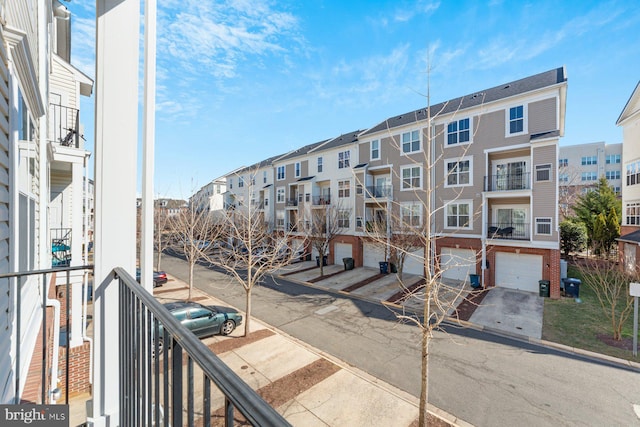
518, 271
341, 250
414, 263
372, 255
457, 264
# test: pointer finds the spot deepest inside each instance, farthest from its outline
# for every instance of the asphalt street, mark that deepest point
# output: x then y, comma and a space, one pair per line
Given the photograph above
483, 378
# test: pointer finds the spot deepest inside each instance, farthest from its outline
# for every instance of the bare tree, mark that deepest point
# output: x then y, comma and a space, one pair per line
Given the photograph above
610, 283
412, 228
251, 250
324, 225
162, 233
192, 232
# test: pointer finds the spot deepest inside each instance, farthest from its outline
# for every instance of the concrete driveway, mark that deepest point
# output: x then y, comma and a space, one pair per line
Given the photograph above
511, 311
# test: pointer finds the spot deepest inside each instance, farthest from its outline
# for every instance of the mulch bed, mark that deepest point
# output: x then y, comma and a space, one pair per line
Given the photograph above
286, 388
289, 273
624, 343
466, 308
326, 276
362, 283
404, 293
230, 344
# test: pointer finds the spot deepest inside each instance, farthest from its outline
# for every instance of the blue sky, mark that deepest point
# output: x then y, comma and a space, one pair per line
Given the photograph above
240, 81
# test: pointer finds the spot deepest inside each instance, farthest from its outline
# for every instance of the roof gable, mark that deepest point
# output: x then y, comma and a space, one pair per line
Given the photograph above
632, 107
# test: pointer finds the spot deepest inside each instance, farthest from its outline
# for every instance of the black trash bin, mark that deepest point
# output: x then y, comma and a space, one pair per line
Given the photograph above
324, 261
545, 287
393, 267
572, 287
348, 263
384, 267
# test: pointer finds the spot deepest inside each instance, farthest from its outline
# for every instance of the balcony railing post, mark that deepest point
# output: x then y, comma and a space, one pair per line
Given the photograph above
176, 382
44, 338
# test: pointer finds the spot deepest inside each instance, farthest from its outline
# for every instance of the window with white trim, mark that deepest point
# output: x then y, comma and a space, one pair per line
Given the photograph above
458, 215
230, 183
458, 172
297, 169
343, 159
375, 149
543, 226
632, 213
589, 160
343, 218
458, 132
280, 195
264, 177
280, 220
280, 173
589, 176
563, 163
410, 142
543, 172
612, 174
633, 173
516, 120
241, 182
319, 164
563, 177
411, 177
411, 214
359, 222
344, 188
612, 159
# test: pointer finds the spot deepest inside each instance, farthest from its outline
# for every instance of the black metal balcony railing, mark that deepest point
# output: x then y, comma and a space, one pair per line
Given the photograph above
376, 226
292, 202
60, 247
20, 277
508, 230
321, 200
154, 388
65, 126
151, 388
508, 182
379, 191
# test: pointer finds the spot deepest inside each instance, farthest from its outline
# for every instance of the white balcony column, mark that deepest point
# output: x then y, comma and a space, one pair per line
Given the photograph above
116, 142
76, 277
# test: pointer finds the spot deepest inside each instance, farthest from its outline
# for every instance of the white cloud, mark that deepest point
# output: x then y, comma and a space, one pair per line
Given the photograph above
421, 8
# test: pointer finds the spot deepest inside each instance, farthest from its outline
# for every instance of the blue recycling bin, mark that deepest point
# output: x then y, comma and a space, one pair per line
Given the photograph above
572, 287
384, 267
474, 281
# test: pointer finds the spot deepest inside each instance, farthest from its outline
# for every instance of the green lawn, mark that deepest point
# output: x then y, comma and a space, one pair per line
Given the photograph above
578, 324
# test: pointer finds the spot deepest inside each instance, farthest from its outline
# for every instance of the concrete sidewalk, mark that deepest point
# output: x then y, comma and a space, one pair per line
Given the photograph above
347, 396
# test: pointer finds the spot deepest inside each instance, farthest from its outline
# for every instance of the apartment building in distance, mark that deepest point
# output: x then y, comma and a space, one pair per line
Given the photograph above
580, 166
629, 239
487, 161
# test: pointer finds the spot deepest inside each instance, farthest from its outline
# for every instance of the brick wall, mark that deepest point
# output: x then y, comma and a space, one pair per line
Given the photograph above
78, 369
356, 249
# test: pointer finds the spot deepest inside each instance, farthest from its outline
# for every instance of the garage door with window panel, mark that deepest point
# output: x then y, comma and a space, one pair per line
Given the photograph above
414, 263
372, 255
518, 271
341, 250
457, 264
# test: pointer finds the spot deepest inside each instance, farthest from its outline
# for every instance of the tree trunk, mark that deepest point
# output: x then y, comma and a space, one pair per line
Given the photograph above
190, 279
159, 257
247, 322
424, 358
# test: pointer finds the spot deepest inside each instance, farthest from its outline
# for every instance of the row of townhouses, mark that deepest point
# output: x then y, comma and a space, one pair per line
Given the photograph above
486, 162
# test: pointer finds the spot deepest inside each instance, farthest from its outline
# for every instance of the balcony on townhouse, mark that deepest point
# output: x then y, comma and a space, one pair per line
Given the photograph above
322, 200
60, 247
65, 126
512, 230
508, 180
377, 192
292, 202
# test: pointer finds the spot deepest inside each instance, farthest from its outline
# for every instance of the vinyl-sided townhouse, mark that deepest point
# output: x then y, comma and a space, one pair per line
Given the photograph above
486, 162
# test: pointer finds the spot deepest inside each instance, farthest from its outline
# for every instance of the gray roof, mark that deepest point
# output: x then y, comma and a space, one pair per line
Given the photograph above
528, 84
301, 151
633, 237
344, 139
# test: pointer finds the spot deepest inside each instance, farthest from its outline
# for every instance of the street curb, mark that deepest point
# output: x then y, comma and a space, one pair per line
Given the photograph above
523, 338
